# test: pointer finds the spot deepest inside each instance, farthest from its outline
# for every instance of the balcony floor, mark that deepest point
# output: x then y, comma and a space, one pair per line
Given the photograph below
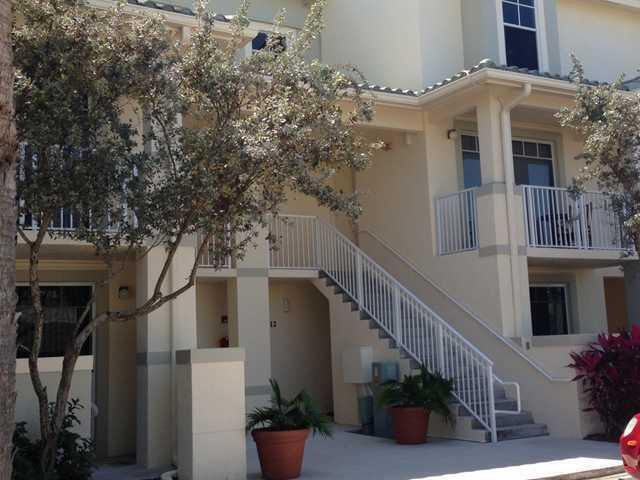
574, 257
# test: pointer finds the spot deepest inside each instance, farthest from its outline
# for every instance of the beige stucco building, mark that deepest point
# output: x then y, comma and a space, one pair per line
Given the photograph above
470, 257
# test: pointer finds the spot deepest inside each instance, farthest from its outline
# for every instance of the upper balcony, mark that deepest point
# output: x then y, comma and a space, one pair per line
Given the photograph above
556, 223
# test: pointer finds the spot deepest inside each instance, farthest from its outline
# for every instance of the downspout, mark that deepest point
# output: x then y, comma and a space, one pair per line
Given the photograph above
509, 180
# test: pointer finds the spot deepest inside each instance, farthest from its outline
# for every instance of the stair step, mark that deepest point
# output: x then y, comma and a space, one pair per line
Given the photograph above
504, 404
521, 431
504, 420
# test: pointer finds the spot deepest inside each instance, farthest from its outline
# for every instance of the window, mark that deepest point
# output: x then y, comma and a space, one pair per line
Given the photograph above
549, 312
63, 306
261, 41
521, 44
533, 163
470, 161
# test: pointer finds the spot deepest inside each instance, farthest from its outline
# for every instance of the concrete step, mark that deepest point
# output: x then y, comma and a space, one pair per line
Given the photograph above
504, 420
521, 431
503, 404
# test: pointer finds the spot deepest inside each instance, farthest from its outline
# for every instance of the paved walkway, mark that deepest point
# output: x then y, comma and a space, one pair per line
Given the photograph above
358, 457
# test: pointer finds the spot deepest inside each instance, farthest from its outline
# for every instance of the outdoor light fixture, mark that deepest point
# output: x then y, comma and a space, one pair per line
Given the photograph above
123, 293
452, 134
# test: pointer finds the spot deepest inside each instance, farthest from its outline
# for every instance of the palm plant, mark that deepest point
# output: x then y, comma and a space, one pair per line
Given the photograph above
431, 391
299, 413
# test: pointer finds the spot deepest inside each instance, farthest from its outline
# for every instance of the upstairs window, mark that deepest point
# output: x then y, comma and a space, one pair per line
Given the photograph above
261, 42
470, 161
520, 39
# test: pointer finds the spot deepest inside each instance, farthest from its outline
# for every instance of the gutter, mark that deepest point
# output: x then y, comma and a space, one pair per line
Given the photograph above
509, 180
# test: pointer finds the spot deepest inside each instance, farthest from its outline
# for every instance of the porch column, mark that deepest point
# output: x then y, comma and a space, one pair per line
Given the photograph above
159, 334
493, 231
249, 322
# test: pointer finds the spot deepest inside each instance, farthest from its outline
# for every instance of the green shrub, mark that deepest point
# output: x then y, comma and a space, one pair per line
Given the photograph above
428, 390
299, 413
75, 459
610, 370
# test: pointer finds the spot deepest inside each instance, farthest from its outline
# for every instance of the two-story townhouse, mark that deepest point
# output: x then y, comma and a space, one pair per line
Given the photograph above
470, 256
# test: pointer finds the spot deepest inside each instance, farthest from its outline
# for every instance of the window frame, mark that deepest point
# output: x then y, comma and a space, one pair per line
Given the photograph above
541, 34
554, 169
92, 285
567, 303
467, 133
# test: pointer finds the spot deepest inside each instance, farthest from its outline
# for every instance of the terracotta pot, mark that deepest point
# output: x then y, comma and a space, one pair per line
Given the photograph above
410, 425
280, 453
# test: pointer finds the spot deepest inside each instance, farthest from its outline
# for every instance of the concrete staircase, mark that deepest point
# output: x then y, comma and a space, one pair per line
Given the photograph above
510, 424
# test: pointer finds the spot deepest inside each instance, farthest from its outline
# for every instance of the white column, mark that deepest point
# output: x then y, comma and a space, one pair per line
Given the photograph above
159, 334
249, 324
211, 420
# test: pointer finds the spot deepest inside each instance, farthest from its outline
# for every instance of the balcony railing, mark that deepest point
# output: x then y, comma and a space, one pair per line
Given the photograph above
294, 238
457, 222
212, 257
65, 220
557, 218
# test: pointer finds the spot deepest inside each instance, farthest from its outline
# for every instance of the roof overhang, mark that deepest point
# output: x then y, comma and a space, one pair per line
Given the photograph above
485, 76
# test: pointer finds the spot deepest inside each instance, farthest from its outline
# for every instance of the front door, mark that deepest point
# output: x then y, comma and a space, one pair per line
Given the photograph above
616, 304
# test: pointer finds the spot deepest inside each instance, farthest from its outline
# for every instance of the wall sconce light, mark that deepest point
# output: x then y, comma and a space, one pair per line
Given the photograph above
123, 293
452, 134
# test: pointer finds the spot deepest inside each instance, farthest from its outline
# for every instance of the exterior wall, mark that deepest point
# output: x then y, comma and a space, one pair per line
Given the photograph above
348, 330
480, 30
404, 45
603, 35
211, 298
300, 340
81, 388
383, 41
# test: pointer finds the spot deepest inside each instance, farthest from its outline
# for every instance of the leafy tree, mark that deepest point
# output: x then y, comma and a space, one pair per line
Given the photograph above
608, 118
7, 242
265, 125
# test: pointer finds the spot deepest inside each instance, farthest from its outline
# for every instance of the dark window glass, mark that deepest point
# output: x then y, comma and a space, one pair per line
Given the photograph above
527, 17
517, 147
63, 306
260, 41
530, 149
469, 142
510, 13
522, 49
471, 169
527, 2
544, 150
533, 171
549, 310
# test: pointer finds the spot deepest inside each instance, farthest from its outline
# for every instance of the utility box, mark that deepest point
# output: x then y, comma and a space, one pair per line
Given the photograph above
356, 364
382, 372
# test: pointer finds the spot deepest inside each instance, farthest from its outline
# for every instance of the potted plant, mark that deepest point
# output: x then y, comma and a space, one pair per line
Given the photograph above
285, 426
411, 401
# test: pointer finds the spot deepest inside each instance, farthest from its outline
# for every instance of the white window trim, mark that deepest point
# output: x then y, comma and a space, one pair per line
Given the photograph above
554, 169
565, 287
541, 35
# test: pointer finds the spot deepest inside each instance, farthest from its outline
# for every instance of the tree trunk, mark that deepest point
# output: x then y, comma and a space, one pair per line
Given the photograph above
8, 214
632, 292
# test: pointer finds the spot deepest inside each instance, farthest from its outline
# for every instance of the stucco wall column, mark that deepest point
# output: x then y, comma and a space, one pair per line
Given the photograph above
159, 335
249, 328
492, 210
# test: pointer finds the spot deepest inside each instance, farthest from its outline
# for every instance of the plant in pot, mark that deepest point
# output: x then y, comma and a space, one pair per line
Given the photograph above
284, 428
411, 401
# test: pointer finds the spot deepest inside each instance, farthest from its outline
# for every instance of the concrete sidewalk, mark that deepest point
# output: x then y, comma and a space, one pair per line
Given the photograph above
357, 457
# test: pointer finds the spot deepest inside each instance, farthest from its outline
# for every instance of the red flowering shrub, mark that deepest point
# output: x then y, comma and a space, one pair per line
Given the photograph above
610, 370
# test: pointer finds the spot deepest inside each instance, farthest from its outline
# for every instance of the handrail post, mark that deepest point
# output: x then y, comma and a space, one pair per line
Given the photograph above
492, 405
440, 349
359, 280
397, 317
584, 241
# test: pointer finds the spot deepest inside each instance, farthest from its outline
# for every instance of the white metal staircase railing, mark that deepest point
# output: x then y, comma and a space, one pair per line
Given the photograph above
307, 242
